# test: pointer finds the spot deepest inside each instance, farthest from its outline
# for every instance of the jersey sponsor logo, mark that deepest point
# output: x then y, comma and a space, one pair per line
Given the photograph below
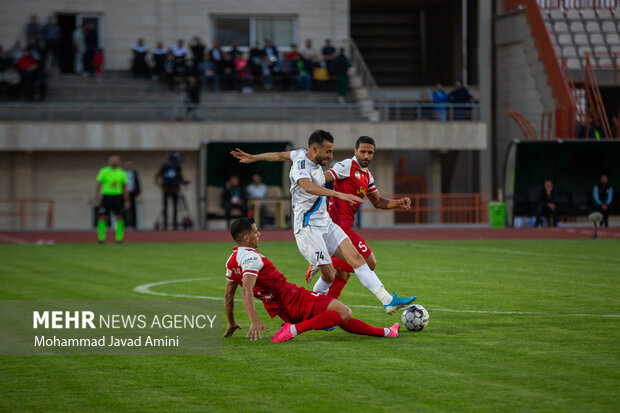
358, 175
361, 191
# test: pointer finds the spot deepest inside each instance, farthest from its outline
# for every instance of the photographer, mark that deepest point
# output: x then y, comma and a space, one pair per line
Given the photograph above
169, 179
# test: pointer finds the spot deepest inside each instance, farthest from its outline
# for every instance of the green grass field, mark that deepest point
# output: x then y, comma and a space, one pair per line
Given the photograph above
514, 326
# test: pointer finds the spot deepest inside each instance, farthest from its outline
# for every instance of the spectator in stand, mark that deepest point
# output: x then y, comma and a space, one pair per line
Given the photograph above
139, 66
304, 73
169, 72
242, 69
79, 47
179, 50
271, 51
234, 198
256, 59
133, 189
460, 95
217, 57
328, 54
51, 34
440, 97
229, 72
198, 50
13, 81
547, 205
32, 75
91, 39
289, 66
341, 70
34, 30
310, 54
193, 98
15, 52
266, 76
35, 51
180, 69
234, 47
293, 53
207, 71
159, 60
98, 64
258, 190
603, 195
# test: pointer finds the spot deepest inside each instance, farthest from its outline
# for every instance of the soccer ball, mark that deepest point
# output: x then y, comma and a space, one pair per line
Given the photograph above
415, 317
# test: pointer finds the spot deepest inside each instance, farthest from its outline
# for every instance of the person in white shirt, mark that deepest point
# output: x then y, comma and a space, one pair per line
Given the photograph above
317, 236
258, 190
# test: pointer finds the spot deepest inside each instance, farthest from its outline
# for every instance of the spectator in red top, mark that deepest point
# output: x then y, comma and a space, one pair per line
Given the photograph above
243, 72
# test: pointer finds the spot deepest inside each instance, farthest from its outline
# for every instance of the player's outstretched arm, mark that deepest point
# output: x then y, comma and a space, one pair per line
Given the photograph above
314, 189
256, 327
380, 202
245, 157
229, 303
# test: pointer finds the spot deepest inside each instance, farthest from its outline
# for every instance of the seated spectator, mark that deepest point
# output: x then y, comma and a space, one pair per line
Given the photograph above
258, 190
547, 205
5, 60
310, 54
271, 51
256, 59
15, 52
234, 198
206, 69
138, 63
159, 60
460, 95
169, 72
242, 69
341, 70
180, 69
13, 80
35, 50
229, 72
603, 195
304, 73
289, 66
217, 57
193, 98
440, 97
234, 47
266, 76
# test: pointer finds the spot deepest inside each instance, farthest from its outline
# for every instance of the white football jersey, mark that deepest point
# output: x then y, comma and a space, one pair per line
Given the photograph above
308, 209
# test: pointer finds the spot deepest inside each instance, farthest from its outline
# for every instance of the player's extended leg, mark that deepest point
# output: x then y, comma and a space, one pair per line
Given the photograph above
343, 272
369, 279
327, 278
336, 314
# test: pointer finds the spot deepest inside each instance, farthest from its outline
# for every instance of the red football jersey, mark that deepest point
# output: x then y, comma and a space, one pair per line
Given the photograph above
349, 178
271, 286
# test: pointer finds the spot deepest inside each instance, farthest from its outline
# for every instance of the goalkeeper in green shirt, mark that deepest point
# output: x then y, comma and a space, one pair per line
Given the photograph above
111, 196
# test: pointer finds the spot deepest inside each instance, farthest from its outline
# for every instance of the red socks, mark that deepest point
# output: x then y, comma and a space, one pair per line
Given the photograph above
326, 319
341, 265
337, 285
329, 319
356, 326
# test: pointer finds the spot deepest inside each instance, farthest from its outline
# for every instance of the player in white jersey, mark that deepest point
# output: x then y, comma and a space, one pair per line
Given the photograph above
317, 237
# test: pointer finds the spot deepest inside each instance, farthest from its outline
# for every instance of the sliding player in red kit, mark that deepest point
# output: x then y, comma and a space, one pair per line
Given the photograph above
301, 309
352, 176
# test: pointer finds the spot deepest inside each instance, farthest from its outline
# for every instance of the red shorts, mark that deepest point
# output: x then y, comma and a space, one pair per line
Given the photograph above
358, 242
303, 305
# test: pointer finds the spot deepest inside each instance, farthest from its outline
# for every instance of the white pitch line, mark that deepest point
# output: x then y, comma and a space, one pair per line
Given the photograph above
146, 289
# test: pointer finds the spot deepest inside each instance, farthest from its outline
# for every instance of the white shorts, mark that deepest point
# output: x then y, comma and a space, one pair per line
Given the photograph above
317, 244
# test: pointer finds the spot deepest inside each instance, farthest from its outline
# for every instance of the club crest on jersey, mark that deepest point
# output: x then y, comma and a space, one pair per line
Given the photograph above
358, 175
360, 191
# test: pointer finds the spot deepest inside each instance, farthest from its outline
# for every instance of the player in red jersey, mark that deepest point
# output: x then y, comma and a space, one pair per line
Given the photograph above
300, 309
352, 176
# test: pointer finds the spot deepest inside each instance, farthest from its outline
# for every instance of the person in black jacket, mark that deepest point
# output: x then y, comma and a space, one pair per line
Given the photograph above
547, 205
234, 197
133, 188
603, 195
169, 178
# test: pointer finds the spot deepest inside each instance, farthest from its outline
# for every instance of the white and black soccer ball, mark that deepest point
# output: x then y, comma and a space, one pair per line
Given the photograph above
415, 317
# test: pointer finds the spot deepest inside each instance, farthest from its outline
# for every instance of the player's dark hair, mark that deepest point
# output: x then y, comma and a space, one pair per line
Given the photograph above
240, 227
318, 136
365, 139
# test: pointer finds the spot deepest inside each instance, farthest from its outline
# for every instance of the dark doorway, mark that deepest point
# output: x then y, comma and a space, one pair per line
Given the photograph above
66, 54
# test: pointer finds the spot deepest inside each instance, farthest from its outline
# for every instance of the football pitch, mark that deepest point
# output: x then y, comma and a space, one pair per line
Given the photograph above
514, 326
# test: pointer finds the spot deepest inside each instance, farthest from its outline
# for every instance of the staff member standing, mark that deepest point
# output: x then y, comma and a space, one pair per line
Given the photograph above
169, 179
133, 188
111, 196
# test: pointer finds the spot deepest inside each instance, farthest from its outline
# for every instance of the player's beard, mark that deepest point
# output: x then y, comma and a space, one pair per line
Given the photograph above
320, 160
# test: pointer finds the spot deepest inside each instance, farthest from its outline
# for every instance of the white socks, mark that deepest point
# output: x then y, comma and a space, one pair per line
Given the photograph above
321, 287
369, 279
386, 332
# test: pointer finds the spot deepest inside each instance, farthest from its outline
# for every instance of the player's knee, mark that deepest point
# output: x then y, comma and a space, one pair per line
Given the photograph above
345, 312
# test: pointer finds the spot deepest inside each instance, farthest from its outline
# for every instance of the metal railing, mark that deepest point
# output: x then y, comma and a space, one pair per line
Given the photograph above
211, 112
578, 4
26, 207
361, 69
